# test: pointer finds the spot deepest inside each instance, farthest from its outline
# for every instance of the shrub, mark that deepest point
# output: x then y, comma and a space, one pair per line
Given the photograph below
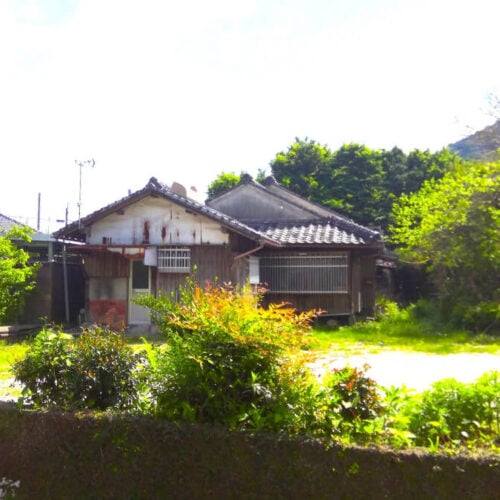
97, 370
453, 413
346, 401
46, 368
228, 359
483, 317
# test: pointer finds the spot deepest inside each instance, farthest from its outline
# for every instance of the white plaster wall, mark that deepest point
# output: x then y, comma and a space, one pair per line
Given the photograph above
169, 224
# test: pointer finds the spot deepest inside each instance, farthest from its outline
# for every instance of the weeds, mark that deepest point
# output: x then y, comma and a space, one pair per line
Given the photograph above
416, 328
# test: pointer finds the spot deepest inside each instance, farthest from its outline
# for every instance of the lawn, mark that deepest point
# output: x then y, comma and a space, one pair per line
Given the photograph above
404, 330
371, 338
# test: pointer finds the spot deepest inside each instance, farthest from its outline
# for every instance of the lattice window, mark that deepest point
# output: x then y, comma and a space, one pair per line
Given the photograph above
305, 273
174, 260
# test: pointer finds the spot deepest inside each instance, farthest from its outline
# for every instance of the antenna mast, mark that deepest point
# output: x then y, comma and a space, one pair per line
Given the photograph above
82, 163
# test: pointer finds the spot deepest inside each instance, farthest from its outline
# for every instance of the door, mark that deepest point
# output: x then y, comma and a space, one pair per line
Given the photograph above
140, 284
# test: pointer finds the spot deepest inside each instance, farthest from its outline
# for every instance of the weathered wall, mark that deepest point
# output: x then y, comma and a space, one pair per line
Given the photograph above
248, 204
156, 221
66, 456
107, 301
107, 289
47, 301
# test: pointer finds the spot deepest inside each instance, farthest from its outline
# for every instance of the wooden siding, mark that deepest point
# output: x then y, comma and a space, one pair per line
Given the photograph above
210, 263
47, 302
331, 303
106, 265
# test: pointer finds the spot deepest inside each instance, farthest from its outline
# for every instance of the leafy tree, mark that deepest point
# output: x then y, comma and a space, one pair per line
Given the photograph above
358, 184
361, 182
227, 180
222, 182
302, 166
16, 273
452, 225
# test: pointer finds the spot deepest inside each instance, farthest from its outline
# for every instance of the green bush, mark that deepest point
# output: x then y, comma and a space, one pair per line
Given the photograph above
97, 370
483, 317
452, 413
347, 400
228, 360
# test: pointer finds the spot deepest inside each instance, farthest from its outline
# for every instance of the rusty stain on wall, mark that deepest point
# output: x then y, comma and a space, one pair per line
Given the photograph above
108, 312
145, 232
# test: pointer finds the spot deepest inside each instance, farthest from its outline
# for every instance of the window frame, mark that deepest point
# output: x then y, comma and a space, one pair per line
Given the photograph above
170, 257
305, 273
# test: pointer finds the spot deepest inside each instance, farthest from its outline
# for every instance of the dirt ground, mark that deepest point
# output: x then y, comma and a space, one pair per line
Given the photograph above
413, 370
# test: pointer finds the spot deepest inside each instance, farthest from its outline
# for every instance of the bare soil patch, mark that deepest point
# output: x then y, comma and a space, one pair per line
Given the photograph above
413, 370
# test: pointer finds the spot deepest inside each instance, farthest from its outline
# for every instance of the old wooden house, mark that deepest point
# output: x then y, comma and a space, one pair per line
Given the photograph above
154, 238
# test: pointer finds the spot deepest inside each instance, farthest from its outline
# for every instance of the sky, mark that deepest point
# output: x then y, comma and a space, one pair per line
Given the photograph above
184, 90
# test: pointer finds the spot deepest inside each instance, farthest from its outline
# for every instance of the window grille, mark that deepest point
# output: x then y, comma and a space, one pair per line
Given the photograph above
174, 260
305, 274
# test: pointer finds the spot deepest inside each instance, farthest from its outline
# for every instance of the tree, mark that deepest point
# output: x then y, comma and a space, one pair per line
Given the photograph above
16, 273
360, 182
227, 180
301, 167
452, 225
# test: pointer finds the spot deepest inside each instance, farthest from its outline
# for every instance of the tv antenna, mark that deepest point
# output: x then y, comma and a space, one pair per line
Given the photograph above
82, 163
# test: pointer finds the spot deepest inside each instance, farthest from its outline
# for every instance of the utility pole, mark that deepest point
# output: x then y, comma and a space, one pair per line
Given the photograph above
82, 163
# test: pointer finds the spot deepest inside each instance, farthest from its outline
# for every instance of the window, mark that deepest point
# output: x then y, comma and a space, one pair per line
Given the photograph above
305, 273
174, 260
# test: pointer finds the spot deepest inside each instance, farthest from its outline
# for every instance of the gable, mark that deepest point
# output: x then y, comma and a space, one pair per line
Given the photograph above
287, 218
252, 204
169, 219
155, 221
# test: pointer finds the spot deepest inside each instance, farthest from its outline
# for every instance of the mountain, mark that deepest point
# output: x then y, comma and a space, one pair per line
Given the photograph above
482, 145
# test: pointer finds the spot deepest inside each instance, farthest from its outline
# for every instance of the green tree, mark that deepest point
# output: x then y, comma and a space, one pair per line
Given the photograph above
301, 168
357, 184
222, 182
452, 225
360, 182
16, 273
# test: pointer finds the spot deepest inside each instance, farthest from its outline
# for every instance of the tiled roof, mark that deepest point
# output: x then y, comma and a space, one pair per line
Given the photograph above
317, 234
75, 230
6, 223
334, 229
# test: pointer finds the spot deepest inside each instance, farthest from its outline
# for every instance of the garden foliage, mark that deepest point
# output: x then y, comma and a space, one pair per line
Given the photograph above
452, 226
96, 370
16, 274
228, 361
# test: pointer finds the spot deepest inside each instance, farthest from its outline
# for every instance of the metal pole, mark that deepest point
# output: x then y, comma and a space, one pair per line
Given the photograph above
81, 163
65, 278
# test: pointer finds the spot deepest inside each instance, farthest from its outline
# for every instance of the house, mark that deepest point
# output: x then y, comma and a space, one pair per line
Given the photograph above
59, 292
152, 239
324, 260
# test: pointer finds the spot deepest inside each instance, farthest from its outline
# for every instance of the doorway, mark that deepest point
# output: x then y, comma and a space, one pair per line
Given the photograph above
140, 284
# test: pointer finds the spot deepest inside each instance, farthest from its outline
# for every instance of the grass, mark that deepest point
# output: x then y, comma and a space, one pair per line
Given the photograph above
402, 331
10, 352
